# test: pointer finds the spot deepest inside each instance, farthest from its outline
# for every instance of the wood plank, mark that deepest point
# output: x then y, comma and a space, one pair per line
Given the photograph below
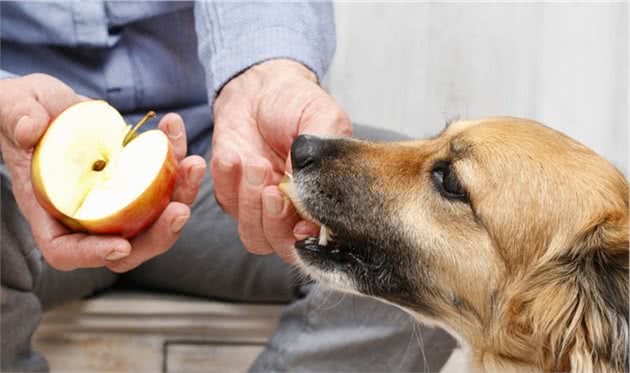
130, 332
85, 352
211, 358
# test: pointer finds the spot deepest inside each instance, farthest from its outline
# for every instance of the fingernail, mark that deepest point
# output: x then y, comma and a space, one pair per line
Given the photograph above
254, 175
178, 223
274, 204
174, 129
23, 121
115, 255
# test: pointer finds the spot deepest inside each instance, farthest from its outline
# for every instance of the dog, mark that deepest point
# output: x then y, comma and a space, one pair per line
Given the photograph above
508, 234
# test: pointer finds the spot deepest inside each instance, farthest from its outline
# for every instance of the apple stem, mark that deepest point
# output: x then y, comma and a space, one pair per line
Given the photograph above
132, 134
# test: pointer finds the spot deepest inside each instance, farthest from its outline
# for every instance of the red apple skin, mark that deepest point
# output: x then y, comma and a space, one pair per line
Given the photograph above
131, 220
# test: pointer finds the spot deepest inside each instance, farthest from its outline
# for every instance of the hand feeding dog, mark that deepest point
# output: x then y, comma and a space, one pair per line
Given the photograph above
510, 235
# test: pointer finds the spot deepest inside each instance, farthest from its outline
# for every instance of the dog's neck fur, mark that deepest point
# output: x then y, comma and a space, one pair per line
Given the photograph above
560, 327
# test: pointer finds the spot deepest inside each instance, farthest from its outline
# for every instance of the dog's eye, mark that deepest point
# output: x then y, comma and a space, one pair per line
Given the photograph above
446, 181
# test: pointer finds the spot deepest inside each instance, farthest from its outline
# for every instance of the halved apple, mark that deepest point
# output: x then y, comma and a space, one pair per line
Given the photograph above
93, 173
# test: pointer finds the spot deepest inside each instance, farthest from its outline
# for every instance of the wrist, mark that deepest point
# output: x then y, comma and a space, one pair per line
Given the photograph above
284, 68
261, 79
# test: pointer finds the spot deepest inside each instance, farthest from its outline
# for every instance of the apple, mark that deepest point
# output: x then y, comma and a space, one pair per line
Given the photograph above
93, 172
289, 188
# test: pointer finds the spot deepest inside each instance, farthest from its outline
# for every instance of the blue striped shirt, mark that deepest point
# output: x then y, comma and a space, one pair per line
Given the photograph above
160, 55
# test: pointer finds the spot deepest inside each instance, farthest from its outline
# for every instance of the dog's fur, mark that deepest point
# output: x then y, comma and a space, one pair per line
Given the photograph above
528, 264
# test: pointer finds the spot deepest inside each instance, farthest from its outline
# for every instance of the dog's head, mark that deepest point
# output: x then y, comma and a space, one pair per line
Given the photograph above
506, 232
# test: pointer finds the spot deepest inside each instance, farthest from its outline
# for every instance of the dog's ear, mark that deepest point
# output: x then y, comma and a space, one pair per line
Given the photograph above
576, 304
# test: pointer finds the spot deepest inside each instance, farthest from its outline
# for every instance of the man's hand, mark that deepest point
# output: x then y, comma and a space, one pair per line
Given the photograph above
257, 116
27, 105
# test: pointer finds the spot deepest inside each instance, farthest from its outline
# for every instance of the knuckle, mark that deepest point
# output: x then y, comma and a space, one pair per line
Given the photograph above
253, 244
37, 78
37, 81
251, 205
276, 237
85, 255
256, 247
56, 261
226, 202
40, 79
13, 111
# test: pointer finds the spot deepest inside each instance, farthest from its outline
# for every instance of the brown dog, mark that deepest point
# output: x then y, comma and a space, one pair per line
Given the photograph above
510, 235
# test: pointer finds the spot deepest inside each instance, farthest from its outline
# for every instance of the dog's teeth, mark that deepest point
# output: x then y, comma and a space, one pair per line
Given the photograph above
323, 235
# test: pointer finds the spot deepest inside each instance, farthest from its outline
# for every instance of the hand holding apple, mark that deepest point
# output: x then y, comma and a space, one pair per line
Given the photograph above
27, 105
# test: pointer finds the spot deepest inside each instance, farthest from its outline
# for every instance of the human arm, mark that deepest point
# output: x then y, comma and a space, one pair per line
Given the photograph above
284, 50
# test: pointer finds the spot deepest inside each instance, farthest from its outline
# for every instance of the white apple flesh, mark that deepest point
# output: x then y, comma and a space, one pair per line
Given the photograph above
87, 174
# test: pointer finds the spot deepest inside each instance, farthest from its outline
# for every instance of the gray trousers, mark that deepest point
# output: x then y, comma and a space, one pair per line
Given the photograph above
318, 330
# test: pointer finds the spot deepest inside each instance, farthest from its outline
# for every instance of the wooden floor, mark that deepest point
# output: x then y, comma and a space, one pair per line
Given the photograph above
131, 332
140, 332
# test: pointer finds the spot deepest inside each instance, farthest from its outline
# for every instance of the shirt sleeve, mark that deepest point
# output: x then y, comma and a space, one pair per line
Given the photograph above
232, 36
6, 75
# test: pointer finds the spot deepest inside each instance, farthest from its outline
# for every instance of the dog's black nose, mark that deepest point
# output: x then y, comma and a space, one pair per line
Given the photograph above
306, 150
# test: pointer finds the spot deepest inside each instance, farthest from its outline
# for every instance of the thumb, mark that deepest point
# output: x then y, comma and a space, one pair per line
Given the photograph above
325, 118
39, 99
31, 123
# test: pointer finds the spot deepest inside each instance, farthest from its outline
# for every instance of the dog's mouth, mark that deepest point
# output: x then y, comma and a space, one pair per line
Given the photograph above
333, 245
347, 256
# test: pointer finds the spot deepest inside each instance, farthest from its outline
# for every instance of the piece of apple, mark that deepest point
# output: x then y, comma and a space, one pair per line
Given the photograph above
91, 171
288, 187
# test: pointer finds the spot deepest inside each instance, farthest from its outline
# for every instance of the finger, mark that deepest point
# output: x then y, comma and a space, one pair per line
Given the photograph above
156, 240
288, 167
31, 121
173, 126
257, 174
190, 172
279, 218
72, 251
305, 229
53, 94
225, 168
47, 98
65, 250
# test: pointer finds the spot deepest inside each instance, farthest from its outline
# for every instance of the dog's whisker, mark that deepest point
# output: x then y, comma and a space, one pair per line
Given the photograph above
343, 296
402, 361
418, 334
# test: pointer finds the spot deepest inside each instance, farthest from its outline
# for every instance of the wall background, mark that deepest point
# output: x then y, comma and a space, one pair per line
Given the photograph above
410, 66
